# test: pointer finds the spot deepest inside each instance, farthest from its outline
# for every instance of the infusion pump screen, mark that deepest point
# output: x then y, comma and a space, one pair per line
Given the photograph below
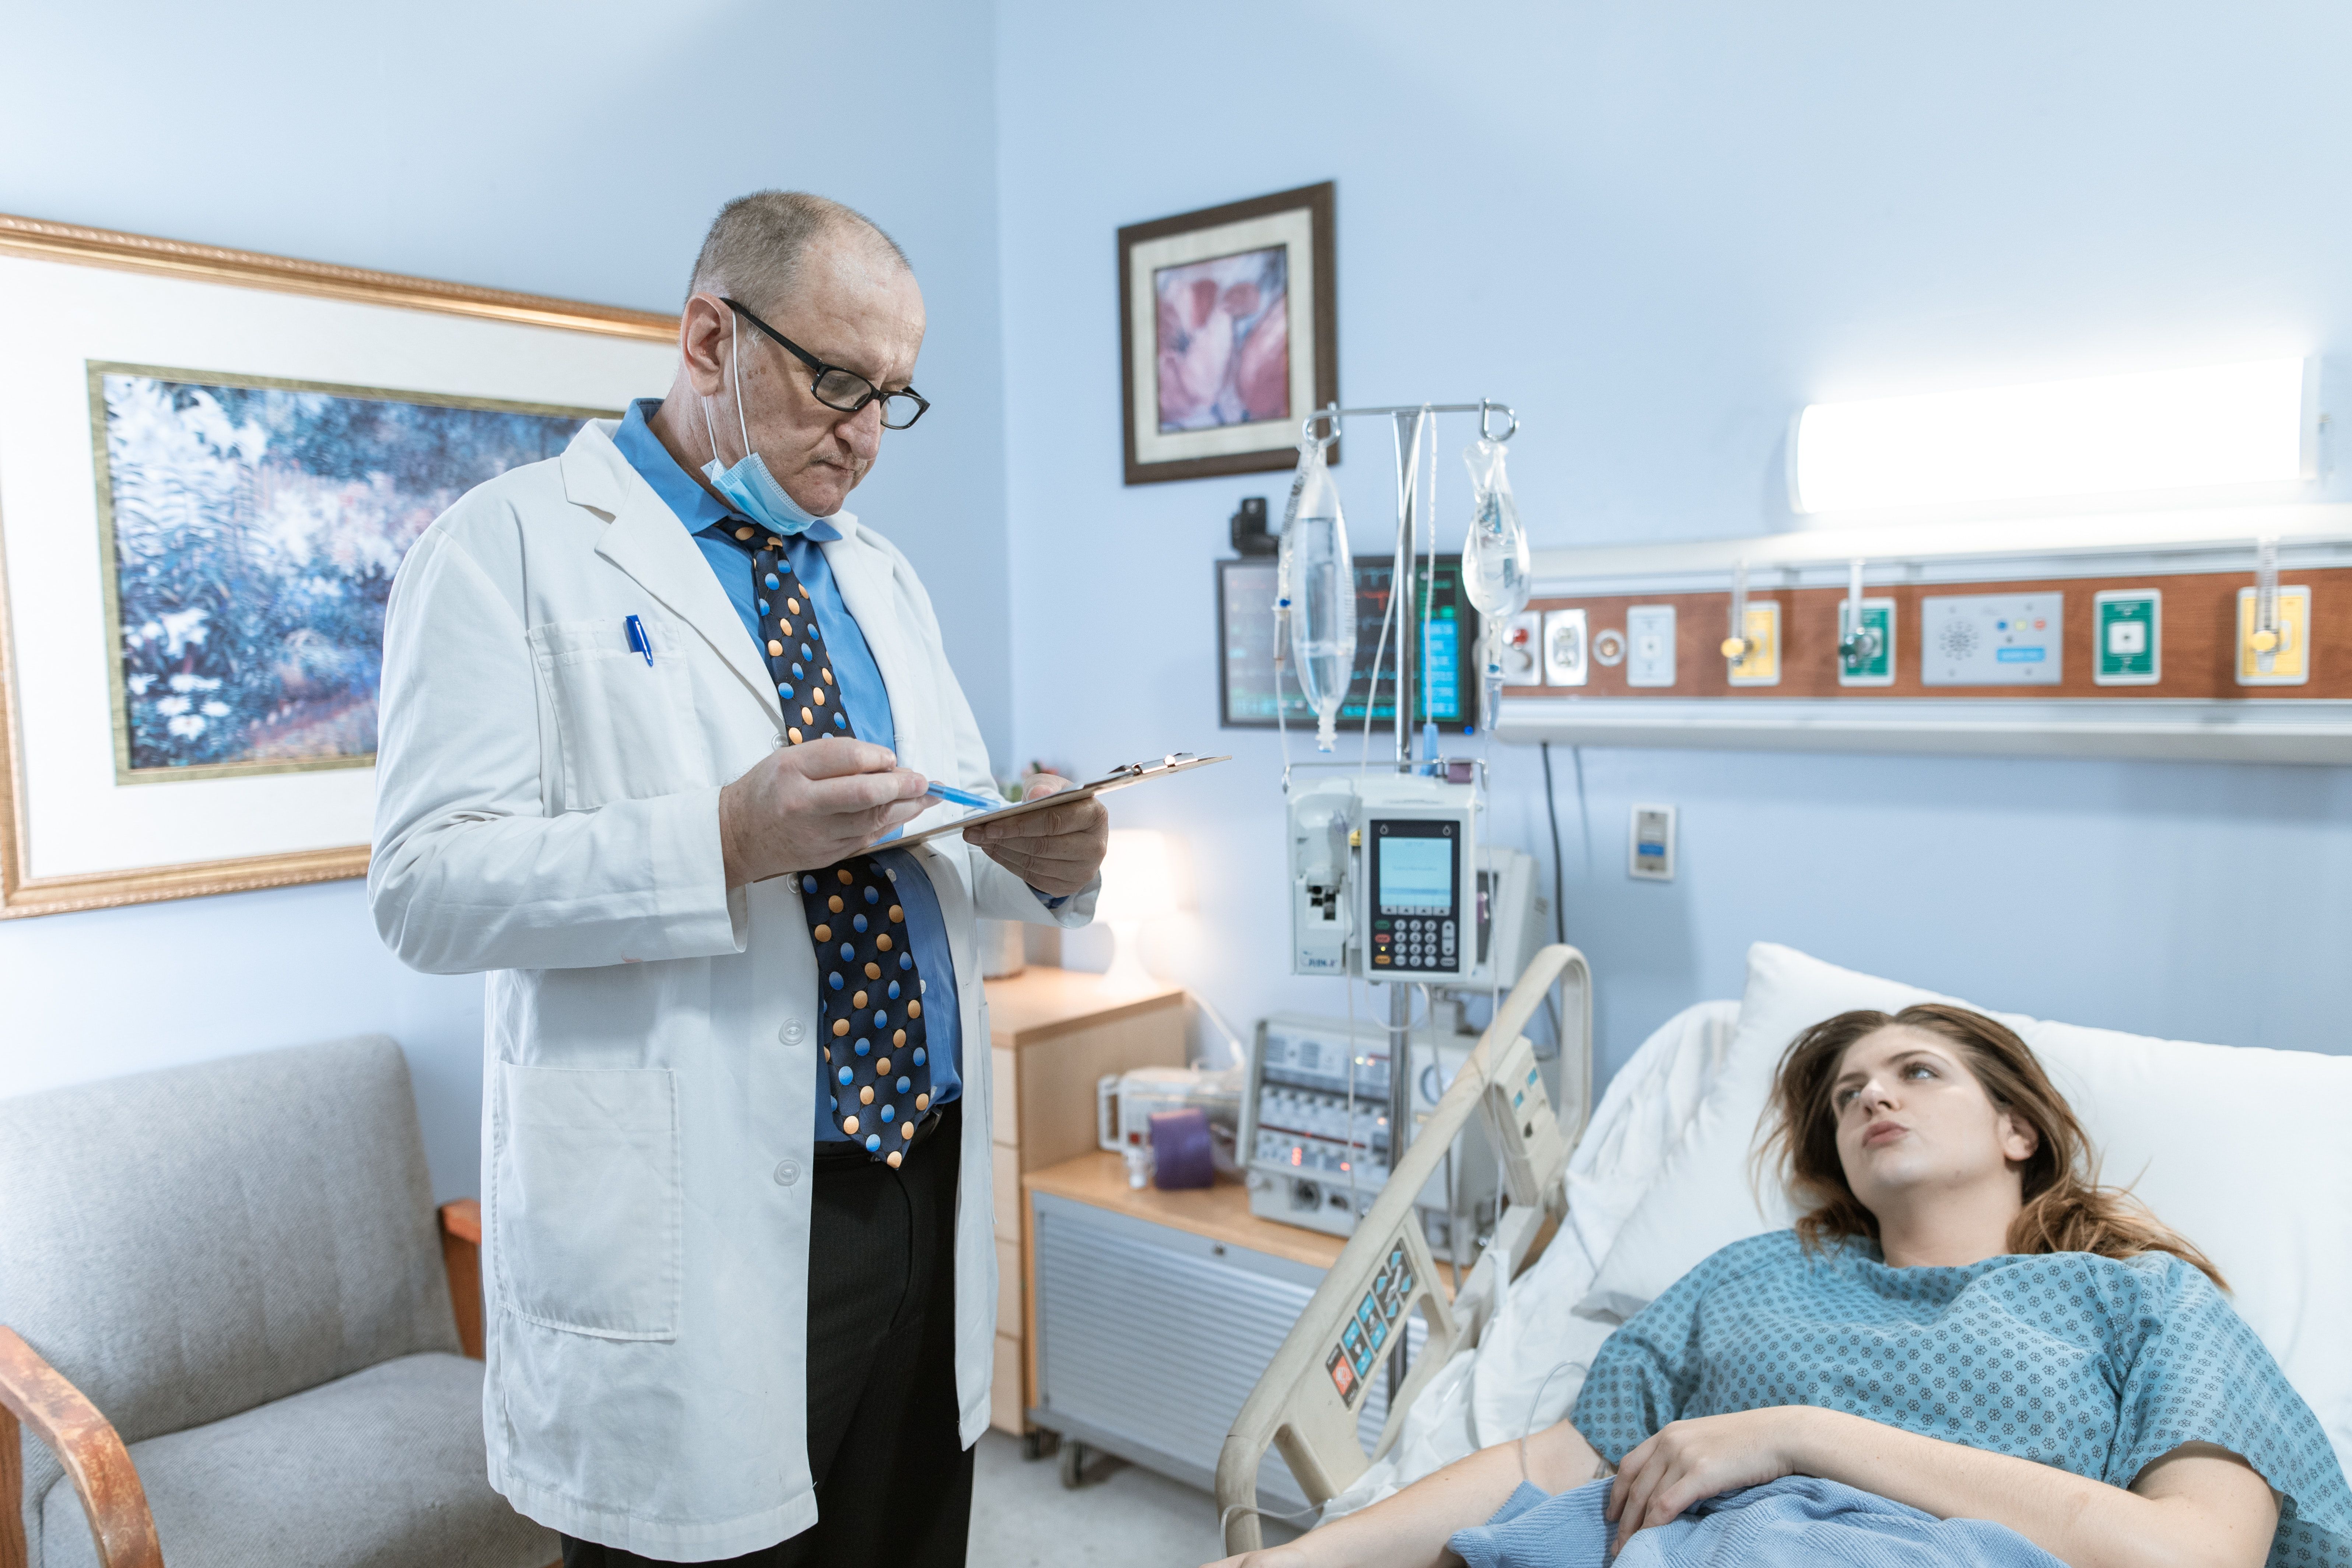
1416, 876
1415, 896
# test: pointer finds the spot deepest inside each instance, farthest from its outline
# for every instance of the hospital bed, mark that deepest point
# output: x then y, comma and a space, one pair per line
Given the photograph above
2239, 1148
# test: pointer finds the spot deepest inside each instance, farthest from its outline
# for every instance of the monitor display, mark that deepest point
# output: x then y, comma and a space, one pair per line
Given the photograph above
1245, 649
1415, 874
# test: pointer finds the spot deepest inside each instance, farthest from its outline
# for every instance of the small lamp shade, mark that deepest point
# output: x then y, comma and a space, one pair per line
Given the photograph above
1139, 879
1138, 882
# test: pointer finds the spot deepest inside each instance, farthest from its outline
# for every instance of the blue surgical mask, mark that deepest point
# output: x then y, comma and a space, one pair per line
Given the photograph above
748, 486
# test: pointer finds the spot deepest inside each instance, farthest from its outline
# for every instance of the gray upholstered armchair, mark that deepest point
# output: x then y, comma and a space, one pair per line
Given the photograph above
226, 1326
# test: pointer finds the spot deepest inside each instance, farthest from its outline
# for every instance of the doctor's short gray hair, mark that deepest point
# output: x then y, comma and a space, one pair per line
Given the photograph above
756, 244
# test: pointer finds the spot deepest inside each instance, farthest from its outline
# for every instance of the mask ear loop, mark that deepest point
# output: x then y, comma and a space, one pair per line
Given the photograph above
735, 364
709, 433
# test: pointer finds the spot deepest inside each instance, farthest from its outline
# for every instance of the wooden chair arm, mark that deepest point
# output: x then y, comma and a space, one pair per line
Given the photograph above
461, 1255
36, 1394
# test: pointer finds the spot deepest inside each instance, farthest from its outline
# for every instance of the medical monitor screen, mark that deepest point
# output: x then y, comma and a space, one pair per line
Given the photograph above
1245, 649
1416, 875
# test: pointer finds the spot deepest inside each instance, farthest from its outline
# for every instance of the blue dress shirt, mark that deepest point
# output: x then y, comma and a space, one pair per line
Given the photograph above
861, 694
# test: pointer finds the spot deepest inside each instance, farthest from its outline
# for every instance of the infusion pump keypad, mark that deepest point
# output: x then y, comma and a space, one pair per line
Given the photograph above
1377, 1318
1414, 942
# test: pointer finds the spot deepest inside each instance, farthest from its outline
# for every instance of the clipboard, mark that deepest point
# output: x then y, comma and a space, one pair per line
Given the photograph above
1118, 778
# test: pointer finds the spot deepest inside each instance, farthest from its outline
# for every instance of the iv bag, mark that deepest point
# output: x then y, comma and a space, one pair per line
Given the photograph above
1495, 556
1317, 586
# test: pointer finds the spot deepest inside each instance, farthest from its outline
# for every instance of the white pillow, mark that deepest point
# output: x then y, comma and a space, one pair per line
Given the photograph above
2241, 1150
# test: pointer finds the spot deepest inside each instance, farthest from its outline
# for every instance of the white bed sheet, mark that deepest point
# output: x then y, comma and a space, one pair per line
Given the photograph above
1529, 1365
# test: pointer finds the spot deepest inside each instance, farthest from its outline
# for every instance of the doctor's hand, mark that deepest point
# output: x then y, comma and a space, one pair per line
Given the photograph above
1057, 850
801, 807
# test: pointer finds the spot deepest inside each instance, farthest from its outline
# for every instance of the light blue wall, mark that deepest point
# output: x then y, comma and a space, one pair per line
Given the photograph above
576, 150
1659, 228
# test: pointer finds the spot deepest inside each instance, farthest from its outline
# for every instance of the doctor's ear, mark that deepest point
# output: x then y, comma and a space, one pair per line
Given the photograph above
703, 343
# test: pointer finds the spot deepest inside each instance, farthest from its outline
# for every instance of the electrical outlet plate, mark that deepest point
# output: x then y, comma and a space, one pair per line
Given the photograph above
1650, 844
1650, 644
1991, 639
2127, 636
1567, 655
1878, 614
1761, 667
2290, 663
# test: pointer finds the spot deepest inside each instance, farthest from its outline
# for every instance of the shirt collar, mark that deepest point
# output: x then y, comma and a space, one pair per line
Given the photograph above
695, 507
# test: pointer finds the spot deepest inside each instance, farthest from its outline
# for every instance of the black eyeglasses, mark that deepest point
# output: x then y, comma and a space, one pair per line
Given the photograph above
845, 390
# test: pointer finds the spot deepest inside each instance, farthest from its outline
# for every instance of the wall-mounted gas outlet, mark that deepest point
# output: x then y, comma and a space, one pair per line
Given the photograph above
2279, 655
1522, 651
1760, 664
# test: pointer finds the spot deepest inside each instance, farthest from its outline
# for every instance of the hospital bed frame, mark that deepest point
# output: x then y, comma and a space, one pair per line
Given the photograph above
1308, 1402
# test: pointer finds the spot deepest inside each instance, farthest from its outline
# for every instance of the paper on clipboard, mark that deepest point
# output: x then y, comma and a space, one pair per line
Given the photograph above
1118, 778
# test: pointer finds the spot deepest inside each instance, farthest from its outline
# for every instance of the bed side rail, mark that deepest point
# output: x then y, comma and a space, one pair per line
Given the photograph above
1308, 1402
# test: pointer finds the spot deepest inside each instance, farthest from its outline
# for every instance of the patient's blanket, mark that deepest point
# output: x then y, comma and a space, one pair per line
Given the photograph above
2091, 1364
1793, 1522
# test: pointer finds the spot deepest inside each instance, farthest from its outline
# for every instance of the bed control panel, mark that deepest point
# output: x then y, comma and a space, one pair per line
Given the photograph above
1379, 1318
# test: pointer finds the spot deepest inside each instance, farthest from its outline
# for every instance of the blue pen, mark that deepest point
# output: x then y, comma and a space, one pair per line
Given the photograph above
955, 797
638, 641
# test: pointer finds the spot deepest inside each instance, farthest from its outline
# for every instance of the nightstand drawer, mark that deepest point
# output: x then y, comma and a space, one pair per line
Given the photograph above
1008, 1288
1006, 1169
1005, 1113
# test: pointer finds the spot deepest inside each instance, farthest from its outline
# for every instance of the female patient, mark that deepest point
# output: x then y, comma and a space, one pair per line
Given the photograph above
1961, 1322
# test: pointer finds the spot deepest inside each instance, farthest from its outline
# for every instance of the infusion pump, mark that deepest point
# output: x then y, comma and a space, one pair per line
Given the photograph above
1388, 881
1315, 1124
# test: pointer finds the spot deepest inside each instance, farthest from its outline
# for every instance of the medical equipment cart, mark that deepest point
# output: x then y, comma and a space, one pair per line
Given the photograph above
1052, 1033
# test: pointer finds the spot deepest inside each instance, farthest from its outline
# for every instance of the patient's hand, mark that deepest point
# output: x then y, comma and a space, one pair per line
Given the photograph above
1270, 1557
1691, 1460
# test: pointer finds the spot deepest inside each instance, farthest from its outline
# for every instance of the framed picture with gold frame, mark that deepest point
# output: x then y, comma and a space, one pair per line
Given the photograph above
213, 464
1228, 335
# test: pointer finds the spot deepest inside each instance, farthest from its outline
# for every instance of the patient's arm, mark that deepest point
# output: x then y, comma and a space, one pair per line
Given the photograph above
2199, 1506
1409, 1529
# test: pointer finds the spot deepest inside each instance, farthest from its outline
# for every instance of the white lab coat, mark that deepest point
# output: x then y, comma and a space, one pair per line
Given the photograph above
547, 811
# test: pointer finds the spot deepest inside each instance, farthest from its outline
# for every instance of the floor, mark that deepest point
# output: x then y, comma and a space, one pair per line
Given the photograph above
1022, 1517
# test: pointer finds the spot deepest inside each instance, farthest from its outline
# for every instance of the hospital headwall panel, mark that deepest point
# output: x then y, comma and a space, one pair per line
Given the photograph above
2197, 693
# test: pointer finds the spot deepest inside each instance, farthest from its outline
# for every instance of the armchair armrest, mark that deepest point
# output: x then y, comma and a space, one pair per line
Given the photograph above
461, 1255
36, 1395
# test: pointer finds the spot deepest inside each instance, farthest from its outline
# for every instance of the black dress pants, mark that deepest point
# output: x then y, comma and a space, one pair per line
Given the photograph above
893, 1480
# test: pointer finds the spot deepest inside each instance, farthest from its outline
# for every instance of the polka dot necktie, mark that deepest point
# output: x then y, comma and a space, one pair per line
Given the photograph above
869, 991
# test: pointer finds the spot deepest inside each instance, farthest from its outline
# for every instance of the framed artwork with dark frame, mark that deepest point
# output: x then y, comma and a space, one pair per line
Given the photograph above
1228, 334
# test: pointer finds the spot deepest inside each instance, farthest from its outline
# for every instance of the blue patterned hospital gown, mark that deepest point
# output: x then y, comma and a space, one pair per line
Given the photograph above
2092, 1364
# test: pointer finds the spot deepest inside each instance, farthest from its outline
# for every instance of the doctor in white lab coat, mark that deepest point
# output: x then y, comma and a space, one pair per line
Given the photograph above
718, 1329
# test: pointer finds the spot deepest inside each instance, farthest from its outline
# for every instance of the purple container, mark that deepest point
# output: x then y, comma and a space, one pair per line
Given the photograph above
1181, 1155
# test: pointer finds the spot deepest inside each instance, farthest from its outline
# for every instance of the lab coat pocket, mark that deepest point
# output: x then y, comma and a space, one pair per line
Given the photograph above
589, 1218
625, 728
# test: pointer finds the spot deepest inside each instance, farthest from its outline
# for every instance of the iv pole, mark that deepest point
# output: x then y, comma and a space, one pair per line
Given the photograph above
1404, 591
1404, 597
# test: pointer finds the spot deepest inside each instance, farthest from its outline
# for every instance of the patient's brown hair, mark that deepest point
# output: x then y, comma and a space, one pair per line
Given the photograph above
2066, 1209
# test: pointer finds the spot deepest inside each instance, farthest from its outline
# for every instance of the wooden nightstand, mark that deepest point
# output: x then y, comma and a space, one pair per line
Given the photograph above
1054, 1032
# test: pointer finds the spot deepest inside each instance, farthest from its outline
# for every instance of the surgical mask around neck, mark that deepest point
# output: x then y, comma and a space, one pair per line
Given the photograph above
748, 486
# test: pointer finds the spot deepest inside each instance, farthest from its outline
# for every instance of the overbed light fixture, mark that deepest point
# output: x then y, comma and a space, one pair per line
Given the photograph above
2215, 427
